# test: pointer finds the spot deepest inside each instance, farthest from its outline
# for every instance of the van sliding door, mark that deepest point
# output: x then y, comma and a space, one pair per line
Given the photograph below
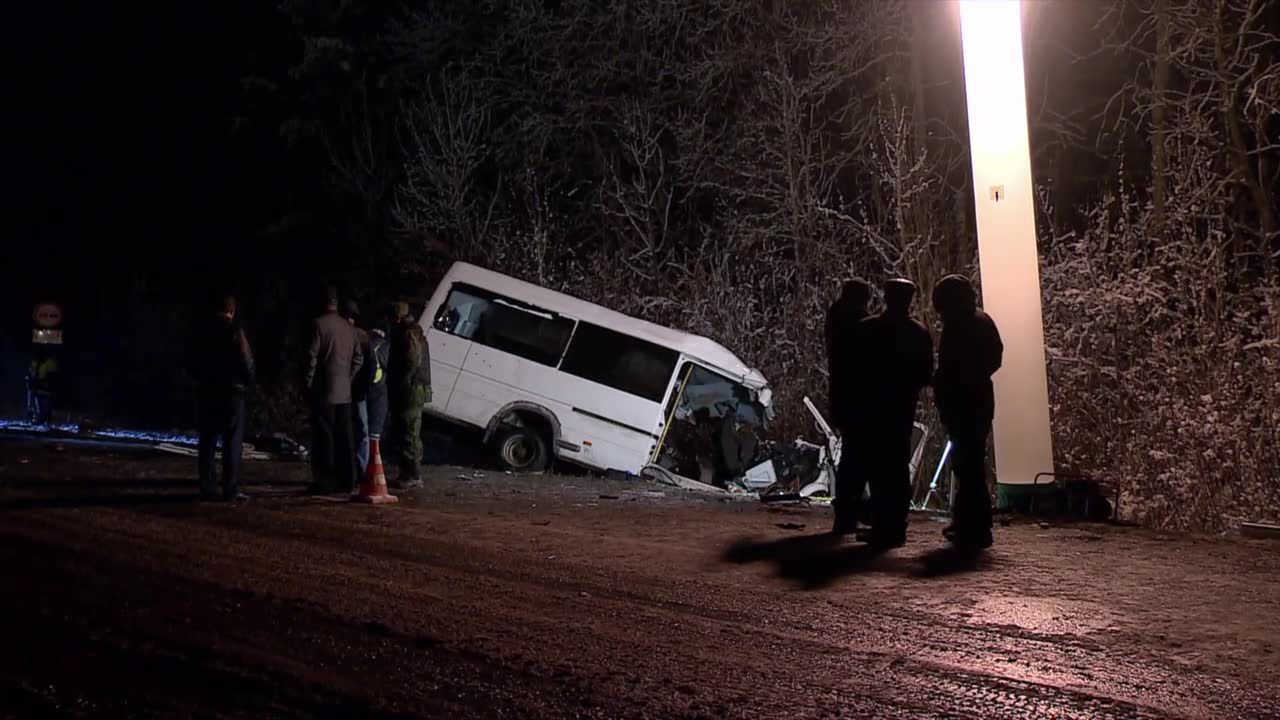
513, 358
615, 383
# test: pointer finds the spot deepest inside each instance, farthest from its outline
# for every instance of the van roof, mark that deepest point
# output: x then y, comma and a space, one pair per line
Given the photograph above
695, 346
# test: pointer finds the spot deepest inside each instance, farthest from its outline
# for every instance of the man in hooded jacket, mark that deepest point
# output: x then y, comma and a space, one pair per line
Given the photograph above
969, 353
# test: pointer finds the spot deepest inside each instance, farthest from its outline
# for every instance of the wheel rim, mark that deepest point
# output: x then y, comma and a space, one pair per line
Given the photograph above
518, 451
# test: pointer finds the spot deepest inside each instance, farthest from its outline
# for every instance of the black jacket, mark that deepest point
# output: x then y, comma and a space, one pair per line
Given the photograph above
895, 363
841, 333
364, 378
220, 356
969, 353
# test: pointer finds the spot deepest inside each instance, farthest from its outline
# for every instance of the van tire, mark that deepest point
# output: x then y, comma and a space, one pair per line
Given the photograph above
522, 450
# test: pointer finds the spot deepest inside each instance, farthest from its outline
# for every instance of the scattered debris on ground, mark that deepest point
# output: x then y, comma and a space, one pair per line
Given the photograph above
715, 447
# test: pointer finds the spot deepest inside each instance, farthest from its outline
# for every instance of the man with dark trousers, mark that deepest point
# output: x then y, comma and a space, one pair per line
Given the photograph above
334, 359
843, 346
895, 364
223, 366
969, 353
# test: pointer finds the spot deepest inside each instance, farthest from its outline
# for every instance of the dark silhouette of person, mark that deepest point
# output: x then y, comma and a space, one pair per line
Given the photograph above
842, 348
223, 366
896, 363
969, 353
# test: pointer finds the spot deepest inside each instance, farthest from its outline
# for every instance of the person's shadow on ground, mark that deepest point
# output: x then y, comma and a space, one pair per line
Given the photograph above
817, 561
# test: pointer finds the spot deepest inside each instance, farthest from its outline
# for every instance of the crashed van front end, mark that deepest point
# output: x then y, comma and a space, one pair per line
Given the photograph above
715, 425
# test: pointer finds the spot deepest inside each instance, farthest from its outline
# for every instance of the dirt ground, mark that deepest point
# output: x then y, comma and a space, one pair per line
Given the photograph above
487, 595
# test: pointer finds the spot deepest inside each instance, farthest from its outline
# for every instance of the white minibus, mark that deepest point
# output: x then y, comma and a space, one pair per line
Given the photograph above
544, 374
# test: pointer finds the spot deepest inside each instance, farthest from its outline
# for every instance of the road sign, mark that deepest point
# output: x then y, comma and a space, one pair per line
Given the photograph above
47, 316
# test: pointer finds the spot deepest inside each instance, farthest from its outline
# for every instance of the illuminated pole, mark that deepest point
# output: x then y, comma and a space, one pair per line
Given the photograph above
991, 31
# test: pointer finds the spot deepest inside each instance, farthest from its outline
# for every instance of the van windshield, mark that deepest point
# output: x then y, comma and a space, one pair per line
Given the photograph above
718, 396
714, 429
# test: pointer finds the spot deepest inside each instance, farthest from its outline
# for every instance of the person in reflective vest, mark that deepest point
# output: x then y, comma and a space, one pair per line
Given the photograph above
360, 389
376, 398
40, 381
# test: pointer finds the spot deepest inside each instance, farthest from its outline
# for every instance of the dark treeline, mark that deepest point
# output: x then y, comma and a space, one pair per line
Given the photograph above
720, 166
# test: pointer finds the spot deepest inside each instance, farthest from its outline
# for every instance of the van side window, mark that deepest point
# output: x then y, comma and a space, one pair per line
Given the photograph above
620, 361
504, 324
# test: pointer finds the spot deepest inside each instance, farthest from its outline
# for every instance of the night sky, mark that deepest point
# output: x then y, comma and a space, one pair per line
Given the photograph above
129, 177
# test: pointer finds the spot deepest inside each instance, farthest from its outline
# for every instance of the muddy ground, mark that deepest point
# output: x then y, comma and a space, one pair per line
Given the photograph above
565, 597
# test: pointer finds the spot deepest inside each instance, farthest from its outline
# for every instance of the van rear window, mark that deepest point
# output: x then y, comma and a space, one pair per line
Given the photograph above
620, 361
504, 324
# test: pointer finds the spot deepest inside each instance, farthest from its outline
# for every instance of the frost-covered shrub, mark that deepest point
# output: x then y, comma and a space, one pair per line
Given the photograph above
1163, 369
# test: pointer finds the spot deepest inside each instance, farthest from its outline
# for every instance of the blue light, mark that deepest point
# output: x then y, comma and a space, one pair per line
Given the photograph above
100, 433
24, 426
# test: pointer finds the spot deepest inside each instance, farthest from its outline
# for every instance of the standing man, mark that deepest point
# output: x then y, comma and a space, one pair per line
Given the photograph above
223, 365
843, 346
360, 389
333, 361
896, 364
410, 390
968, 355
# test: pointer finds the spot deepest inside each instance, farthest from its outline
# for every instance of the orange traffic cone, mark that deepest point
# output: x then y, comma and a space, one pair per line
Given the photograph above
374, 488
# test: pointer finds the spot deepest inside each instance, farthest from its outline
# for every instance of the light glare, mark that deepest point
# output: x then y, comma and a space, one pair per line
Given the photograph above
991, 32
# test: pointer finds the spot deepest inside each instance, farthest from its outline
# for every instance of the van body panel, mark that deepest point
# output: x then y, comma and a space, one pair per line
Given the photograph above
611, 428
492, 379
448, 354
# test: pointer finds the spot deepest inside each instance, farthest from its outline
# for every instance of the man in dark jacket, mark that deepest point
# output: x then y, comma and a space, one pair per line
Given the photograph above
223, 366
842, 349
968, 355
895, 364
333, 361
409, 379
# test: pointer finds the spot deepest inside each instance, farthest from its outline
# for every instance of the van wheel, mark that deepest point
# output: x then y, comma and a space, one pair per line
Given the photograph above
522, 450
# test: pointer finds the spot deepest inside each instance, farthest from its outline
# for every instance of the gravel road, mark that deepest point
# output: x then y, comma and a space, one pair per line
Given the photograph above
487, 595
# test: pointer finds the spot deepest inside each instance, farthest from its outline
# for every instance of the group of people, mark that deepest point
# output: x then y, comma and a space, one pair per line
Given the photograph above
354, 379
878, 366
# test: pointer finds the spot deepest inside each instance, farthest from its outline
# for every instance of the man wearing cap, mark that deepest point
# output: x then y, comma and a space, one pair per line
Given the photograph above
334, 359
895, 365
969, 353
409, 389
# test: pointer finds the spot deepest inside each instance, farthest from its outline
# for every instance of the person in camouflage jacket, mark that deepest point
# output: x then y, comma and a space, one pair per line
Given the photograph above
409, 388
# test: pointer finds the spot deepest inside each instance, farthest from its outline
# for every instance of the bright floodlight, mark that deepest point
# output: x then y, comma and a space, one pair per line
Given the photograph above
1003, 194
